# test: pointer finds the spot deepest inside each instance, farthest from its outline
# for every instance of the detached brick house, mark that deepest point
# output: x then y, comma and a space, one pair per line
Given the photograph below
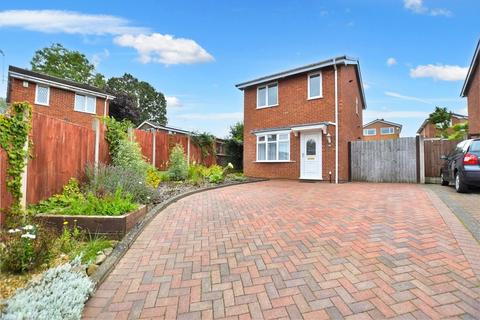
63, 99
298, 122
380, 129
428, 130
471, 90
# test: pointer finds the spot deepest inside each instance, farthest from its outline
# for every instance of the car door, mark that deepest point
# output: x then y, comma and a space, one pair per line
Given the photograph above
449, 165
457, 159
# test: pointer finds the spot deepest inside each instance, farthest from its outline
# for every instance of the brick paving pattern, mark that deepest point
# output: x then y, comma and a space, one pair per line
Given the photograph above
466, 206
285, 249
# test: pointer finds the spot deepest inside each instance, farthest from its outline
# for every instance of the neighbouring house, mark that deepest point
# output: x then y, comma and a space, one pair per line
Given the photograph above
298, 123
429, 131
471, 90
63, 99
381, 129
149, 125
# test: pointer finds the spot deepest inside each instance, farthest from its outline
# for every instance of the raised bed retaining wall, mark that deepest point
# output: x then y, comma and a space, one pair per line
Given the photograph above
111, 227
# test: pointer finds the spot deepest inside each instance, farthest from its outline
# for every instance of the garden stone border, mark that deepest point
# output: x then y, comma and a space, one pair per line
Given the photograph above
123, 245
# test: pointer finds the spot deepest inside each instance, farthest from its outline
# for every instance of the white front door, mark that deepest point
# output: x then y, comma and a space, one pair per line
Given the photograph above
311, 156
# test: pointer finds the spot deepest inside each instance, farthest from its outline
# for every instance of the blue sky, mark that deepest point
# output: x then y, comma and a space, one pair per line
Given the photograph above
413, 53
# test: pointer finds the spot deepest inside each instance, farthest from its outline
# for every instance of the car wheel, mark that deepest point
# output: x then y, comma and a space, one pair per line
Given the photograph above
444, 182
460, 186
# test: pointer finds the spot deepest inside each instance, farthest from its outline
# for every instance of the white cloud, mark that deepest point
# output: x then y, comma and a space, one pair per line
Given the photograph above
383, 114
235, 116
391, 61
152, 47
439, 72
366, 86
98, 57
403, 97
173, 102
59, 21
164, 49
417, 6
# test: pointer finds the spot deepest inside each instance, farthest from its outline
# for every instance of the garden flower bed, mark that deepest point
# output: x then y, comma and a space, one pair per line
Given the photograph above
111, 227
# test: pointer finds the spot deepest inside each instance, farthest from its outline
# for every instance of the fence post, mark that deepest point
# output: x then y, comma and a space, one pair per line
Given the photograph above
421, 149
96, 127
154, 145
188, 149
130, 134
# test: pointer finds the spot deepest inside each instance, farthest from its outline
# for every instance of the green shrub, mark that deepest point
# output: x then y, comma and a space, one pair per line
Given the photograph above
154, 177
69, 239
71, 193
178, 169
236, 176
117, 131
60, 294
109, 205
111, 178
197, 173
25, 248
215, 174
129, 155
88, 251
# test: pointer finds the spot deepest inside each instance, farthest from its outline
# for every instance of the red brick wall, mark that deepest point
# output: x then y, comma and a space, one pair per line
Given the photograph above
60, 105
294, 108
378, 135
473, 99
430, 131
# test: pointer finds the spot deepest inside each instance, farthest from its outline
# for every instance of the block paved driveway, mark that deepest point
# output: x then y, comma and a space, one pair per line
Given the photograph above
285, 249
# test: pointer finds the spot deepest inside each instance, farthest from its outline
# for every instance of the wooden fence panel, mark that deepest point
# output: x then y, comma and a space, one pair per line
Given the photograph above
384, 161
61, 150
145, 140
434, 149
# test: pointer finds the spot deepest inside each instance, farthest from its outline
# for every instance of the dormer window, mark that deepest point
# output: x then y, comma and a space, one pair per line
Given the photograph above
267, 95
315, 85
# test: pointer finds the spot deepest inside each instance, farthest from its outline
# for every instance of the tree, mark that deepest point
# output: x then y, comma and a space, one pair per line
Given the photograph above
124, 107
234, 145
460, 131
441, 119
150, 103
61, 62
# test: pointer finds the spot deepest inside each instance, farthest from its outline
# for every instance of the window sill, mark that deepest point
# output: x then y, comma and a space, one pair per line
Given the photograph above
274, 161
314, 98
42, 104
87, 112
265, 107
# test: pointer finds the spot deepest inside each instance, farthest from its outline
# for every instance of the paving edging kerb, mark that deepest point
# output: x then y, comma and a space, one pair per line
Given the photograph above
123, 245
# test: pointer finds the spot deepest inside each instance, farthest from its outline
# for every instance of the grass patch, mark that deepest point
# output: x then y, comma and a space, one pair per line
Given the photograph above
89, 249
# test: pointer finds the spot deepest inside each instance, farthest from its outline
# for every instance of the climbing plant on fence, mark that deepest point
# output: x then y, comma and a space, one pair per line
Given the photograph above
206, 142
15, 127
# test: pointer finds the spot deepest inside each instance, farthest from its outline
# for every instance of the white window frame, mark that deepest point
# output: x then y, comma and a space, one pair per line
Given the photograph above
85, 103
365, 132
321, 85
392, 131
266, 86
278, 133
36, 95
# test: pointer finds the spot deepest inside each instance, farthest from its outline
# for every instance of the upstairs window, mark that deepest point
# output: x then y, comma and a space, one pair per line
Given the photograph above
85, 103
315, 86
267, 96
388, 130
369, 132
273, 147
42, 95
